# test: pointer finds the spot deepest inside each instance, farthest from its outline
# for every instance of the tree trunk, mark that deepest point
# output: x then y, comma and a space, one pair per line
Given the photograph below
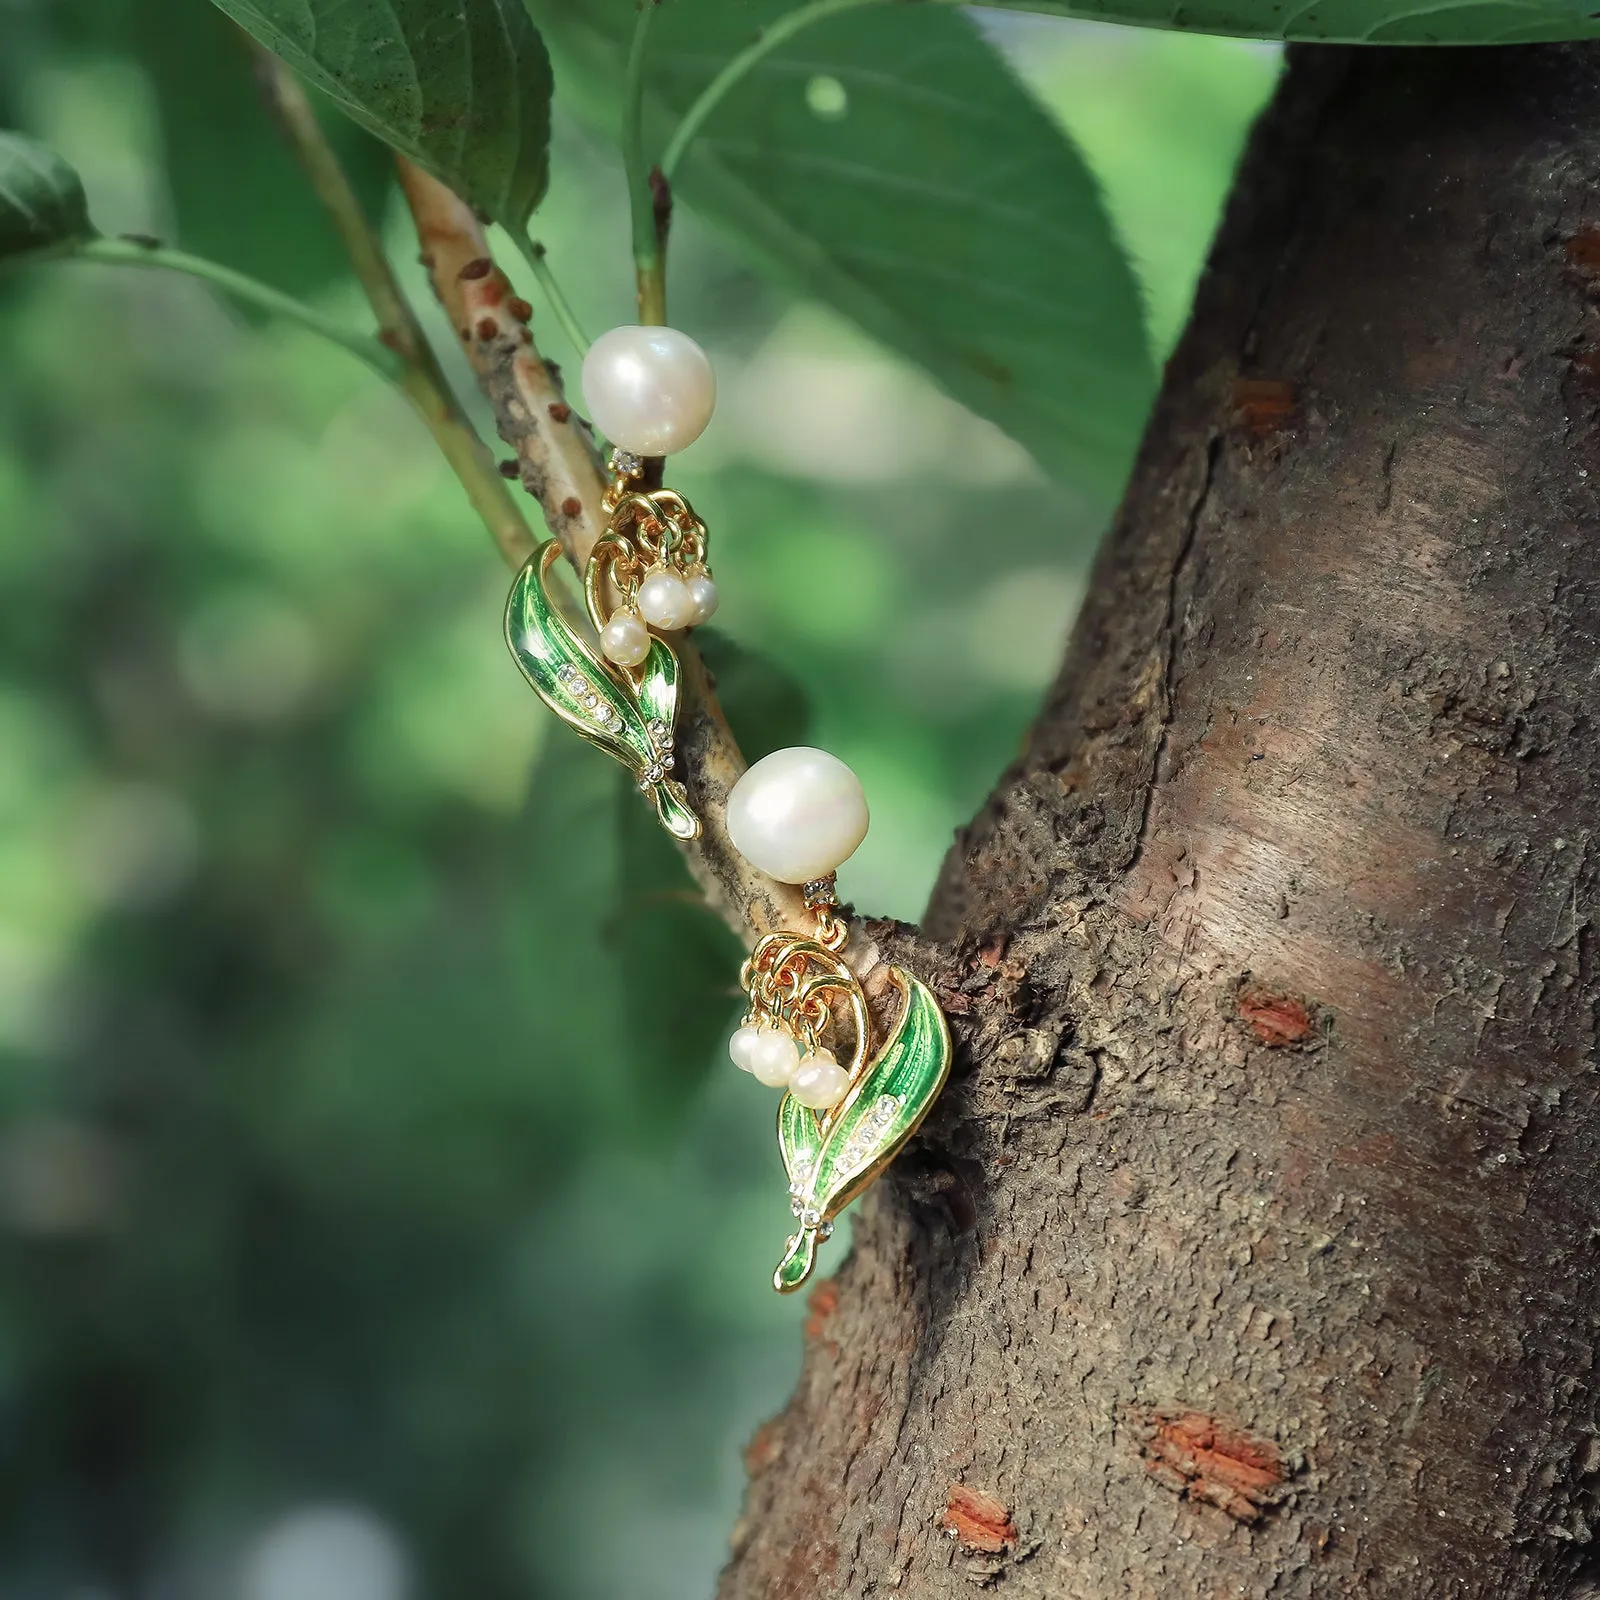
1252, 1249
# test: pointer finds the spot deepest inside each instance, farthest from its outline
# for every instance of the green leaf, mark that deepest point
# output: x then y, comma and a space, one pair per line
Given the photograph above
1345, 21
41, 198
238, 195
629, 719
462, 89
831, 1161
889, 163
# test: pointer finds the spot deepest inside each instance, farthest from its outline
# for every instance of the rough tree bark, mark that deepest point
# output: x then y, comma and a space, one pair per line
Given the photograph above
1252, 1250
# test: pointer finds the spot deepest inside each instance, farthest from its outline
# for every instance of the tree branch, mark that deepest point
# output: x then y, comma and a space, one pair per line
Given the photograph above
561, 468
421, 376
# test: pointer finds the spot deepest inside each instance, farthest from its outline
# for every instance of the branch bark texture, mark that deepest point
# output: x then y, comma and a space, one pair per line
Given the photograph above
1252, 1250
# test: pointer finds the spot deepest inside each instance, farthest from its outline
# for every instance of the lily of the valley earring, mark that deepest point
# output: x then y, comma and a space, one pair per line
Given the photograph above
650, 391
797, 815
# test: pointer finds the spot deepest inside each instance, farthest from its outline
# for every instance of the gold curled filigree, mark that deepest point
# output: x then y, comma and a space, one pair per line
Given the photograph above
790, 977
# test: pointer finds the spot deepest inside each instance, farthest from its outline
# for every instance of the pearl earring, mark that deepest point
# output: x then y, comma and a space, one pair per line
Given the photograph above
797, 815
651, 392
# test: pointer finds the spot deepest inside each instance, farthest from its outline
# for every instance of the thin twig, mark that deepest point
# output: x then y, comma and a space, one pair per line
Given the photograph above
649, 243
421, 376
539, 265
561, 468
558, 463
151, 253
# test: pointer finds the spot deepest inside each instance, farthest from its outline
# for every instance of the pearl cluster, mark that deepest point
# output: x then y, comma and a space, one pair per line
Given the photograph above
666, 599
651, 392
773, 1057
797, 815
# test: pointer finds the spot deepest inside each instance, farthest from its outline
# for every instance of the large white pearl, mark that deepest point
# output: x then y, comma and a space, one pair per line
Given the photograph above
774, 1056
819, 1081
625, 640
649, 390
664, 600
797, 813
742, 1046
703, 592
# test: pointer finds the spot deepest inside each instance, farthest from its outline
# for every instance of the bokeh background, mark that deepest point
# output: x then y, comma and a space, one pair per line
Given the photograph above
362, 1235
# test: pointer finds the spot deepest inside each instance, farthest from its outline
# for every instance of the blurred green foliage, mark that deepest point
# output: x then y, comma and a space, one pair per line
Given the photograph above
338, 1169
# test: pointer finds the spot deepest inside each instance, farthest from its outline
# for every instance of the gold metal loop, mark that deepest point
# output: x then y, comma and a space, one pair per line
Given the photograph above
797, 982
613, 557
661, 523
833, 932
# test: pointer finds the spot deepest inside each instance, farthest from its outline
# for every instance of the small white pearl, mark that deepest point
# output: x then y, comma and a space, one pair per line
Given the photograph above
703, 594
742, 1046
664, 600
649, 390
819, 1081
797, 814
625, 639
773, 1057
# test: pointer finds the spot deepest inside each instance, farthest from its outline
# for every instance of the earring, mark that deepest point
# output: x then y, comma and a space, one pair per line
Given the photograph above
651, 392
797, 815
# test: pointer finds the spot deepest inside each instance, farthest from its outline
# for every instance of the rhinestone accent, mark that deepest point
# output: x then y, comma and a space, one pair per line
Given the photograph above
867, 1133
626, 464
581, 690
821, 892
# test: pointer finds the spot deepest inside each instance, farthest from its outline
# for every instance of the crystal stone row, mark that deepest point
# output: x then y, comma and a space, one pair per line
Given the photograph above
589, 700
856, 1149
868, 1132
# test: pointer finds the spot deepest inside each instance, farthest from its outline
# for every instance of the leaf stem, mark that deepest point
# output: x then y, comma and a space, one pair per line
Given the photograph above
775, 34
538, 264
649, 242
420, 375
139, 253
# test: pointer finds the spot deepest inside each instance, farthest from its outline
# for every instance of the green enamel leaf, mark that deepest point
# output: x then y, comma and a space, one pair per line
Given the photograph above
1344, 21
462, 89
799, 1138
634, 726
41, 198
674, 810
796, 1266
882, 1111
